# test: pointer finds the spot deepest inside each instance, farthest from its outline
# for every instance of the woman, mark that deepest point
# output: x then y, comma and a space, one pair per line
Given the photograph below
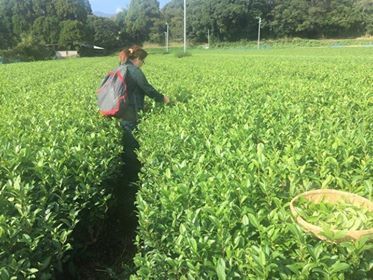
137, 87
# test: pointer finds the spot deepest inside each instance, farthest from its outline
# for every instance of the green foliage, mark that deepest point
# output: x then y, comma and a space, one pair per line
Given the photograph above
314, 20
41, 19
338, 216
366, 7
56, 152
6, 36
174, 15
105, 32
22, 16
181, 54
72, 9
236, 20
258, 128
226, 21
219, 171
46, 30
29, 49
72, 34
294, 42
140, 19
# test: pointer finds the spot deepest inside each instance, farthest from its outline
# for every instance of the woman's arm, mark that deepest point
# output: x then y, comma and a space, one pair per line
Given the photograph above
140, 79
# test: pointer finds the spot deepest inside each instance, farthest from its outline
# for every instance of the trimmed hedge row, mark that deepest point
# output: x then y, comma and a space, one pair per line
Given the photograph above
56, 154
220, 170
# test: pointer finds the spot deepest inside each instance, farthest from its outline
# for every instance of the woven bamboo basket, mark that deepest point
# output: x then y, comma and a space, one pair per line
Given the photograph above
332, 196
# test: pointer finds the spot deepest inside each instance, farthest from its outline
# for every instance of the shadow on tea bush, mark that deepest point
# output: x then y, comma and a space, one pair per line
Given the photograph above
182, 96
181, 54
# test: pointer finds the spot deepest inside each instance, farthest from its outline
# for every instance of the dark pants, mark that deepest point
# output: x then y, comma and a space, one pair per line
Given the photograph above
130, 145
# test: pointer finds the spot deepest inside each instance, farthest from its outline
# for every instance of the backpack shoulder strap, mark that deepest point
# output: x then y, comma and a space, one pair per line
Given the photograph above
121, 72
123, 68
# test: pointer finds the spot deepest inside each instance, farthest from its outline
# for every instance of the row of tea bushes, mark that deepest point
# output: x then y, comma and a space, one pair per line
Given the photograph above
56, 154
220, 170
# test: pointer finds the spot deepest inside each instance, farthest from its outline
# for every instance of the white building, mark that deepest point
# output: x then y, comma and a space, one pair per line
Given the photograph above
66, 54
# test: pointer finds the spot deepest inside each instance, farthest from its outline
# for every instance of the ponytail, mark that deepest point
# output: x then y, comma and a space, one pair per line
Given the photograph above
132, 53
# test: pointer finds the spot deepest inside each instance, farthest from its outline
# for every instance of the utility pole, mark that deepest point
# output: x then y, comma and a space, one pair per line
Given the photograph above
167, 37
260, 21
184, 26
208, 38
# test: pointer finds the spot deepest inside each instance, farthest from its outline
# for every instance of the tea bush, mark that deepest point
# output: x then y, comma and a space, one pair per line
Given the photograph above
220, 170
56, 153
253, 129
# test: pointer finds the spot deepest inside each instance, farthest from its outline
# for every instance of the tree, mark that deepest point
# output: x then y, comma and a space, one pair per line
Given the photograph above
28, 49
315, 19
46, 29
366, 9
173, 15
226, 19
288, 17
72, 9
105, 32
41, 8
141, 18
22, 17
7, 38
343, 18
72, 34
120, 20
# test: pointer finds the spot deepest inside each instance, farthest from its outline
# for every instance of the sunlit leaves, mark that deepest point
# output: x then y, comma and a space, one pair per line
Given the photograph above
55, 152
220, 170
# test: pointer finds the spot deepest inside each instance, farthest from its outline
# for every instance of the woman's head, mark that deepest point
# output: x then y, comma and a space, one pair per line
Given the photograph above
135, 53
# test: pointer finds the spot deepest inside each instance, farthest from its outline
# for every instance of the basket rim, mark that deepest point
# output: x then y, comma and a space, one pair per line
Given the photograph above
354, 234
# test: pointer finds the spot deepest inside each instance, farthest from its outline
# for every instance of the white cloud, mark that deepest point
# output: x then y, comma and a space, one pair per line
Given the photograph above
118, 10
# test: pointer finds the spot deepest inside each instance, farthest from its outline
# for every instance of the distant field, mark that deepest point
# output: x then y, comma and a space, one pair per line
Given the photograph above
269, 44
252, 129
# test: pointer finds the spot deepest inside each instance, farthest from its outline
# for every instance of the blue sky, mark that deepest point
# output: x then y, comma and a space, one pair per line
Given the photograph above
113, 6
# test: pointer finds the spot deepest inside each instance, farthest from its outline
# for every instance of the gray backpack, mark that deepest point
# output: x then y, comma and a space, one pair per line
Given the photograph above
112, 96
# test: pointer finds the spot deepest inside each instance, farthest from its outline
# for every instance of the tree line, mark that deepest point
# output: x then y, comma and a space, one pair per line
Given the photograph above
70, 23
233, 20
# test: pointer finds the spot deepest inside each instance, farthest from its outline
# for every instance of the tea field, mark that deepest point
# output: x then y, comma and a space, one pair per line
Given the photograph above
251, 130
55, 156
219, 171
